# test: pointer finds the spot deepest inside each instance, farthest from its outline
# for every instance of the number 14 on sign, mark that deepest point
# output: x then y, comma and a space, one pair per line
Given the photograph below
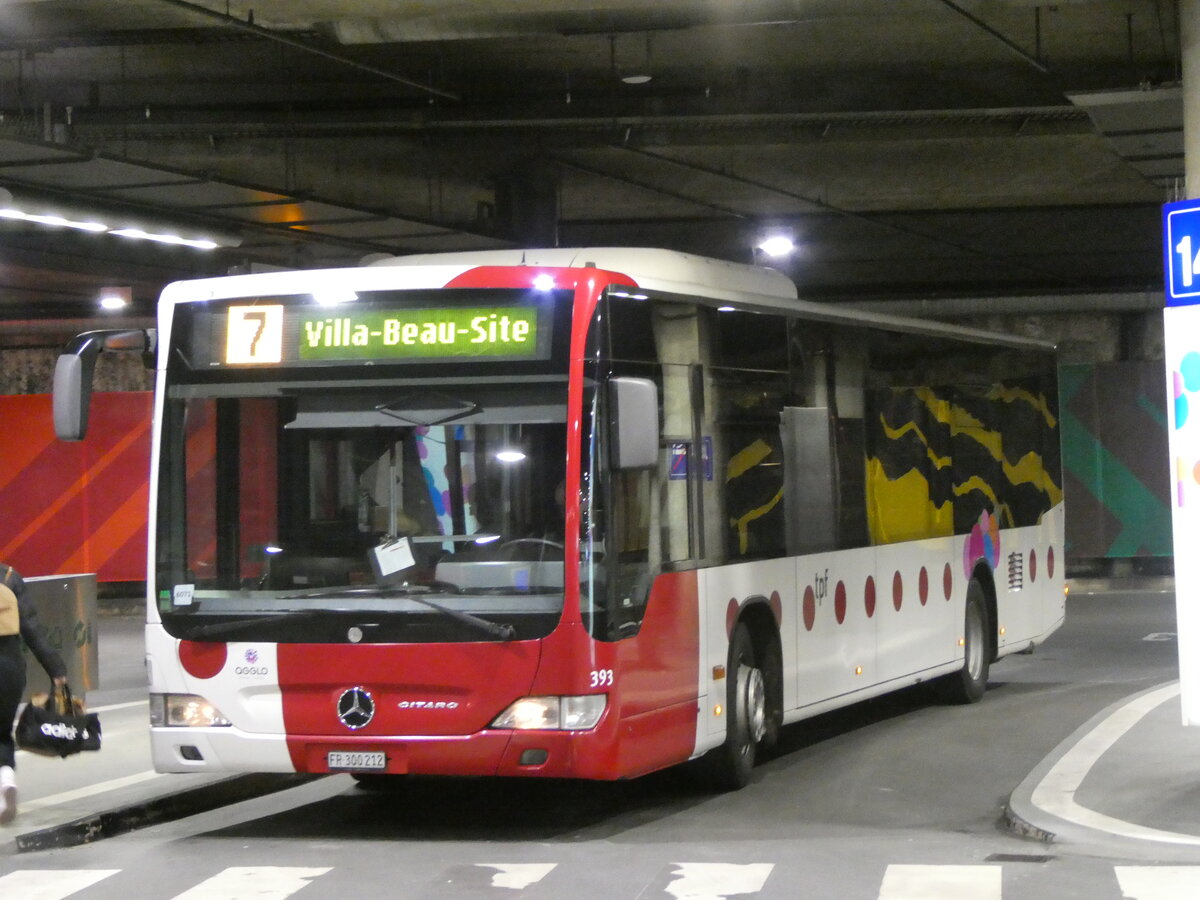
1190, 264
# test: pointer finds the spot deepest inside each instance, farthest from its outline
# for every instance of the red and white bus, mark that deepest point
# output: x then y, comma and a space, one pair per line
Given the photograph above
574, 513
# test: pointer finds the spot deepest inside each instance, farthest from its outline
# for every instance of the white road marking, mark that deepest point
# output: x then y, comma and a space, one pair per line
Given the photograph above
716, 881
517, 876
114, 784
1055, 793
1159, 882
50, 884
253, 883
112, 707
941, 883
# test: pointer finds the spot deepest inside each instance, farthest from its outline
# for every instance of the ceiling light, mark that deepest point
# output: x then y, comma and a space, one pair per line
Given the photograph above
114, 298
509, 456
636, 79
777, 245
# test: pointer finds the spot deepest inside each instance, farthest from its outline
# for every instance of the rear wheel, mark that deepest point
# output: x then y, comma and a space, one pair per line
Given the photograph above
968, 684
730, 765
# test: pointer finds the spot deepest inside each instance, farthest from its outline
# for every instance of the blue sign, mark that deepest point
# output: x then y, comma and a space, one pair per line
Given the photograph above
1181, 252
679, 460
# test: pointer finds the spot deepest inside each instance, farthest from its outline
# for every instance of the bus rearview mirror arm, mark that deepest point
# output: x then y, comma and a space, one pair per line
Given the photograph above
633, 403
74, 369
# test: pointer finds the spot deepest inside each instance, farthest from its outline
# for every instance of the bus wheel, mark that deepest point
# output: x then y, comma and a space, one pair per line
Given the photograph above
968, 683
730, 765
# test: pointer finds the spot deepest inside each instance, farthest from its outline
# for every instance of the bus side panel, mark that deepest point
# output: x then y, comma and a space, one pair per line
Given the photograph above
658, 678
920, 591
726, 591
1029, 582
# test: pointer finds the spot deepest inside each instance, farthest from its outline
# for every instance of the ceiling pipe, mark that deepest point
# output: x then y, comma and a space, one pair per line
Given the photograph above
269, 35
979, 23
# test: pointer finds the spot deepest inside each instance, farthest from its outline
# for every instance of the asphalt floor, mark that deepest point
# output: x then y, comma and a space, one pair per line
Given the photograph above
1126, 783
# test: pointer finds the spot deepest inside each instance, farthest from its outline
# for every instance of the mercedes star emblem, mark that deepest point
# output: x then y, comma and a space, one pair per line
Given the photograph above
355, 708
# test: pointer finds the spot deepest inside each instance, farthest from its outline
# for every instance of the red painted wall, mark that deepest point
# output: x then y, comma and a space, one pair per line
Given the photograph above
67, 508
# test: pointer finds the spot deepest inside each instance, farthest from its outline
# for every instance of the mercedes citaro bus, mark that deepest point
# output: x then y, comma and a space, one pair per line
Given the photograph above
571, 513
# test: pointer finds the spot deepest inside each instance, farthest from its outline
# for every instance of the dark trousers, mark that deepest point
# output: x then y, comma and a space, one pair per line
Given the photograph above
12, 685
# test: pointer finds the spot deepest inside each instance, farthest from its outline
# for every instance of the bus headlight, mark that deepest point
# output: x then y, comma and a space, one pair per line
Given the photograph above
184, 711
553, 713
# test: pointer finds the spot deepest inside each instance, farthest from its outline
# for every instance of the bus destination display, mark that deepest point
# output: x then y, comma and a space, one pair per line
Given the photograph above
266, 333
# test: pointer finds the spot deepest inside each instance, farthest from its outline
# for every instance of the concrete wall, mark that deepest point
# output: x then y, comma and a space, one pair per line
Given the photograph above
32, 372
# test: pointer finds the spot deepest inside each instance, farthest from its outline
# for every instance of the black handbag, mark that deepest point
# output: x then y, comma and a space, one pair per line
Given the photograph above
57, 724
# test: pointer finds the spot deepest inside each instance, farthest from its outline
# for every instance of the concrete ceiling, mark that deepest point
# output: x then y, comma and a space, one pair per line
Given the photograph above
914, 148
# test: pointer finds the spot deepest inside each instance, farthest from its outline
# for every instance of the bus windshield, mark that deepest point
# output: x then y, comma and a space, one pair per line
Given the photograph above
277, 506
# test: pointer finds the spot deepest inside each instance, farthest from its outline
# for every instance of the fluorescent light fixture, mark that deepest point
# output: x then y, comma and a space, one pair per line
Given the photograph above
39, 210
636, 79
510, 456
51, 221
725, 309
139, 234
777, 245
487, 538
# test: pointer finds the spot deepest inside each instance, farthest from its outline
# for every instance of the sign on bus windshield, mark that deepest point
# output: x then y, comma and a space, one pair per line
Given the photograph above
264, 332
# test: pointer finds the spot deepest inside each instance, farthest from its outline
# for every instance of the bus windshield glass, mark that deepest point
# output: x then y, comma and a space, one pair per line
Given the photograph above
383, 510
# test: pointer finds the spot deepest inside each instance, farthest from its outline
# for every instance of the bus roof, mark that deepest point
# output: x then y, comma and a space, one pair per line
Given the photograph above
652, 268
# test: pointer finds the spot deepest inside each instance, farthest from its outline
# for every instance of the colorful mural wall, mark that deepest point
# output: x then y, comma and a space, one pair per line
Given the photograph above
1115, 460
76, 507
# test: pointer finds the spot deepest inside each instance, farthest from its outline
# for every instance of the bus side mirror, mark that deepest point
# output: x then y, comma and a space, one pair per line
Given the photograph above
72, 396
73, 376
633, 403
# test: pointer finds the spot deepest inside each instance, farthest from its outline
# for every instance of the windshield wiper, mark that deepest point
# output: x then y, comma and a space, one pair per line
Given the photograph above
285, 615
414, 592
503, 632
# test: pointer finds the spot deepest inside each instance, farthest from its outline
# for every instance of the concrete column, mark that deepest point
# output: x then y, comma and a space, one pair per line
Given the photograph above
1189, 49
527, 205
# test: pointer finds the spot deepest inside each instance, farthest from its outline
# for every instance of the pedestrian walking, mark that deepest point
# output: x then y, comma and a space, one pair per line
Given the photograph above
18, 620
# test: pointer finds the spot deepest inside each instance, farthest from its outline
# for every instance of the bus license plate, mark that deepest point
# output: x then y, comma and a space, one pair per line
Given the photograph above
357, 761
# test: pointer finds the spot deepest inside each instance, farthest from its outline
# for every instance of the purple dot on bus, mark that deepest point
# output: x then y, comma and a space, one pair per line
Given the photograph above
422, 450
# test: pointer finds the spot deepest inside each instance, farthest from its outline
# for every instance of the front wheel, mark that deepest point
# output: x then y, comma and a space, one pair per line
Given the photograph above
968, 683
730, 765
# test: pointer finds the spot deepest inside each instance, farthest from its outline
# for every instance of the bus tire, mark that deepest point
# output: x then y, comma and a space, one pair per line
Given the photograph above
968, 684
729, 766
